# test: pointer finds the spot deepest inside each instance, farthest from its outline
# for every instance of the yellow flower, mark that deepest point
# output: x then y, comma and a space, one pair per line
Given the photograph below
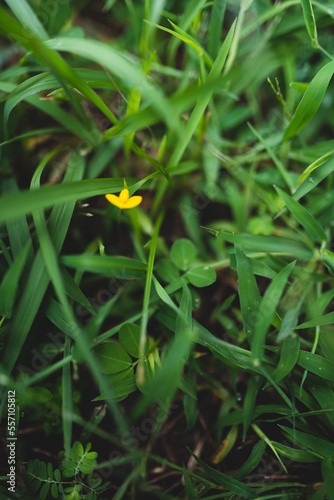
123, 200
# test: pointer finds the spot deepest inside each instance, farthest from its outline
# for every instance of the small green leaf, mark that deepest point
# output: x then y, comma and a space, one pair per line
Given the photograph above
44, 491
201, 276
129, 337
54, 490
43, 470
166, 270
77, 450
111, 357
121, 385
57, 474
183, 253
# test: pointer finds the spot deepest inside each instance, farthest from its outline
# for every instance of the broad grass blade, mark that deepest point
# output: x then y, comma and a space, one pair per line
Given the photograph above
25, 202
318, 445
253, 460
10, 282
288, 358
310, 101
27, 17
231, 484
317, 176
322, 367
38, 279
267, 310
248, 292
327, 319
304, 217
266, 244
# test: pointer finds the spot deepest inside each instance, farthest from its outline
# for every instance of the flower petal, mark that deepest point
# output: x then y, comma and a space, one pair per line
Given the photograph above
124, 195
114, 200
132, 202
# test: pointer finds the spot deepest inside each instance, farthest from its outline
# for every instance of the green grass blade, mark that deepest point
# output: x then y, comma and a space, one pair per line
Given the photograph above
248, 292
327, 470
27, 17
311, 182
258, 267
231, 484
47, 81
202, 103
314, 165
295, 454
310, 101
304, 217
18, 230
288, 357
314, 443
167, 380
310, 21
67, 399
323, 393
25, 202
43, 374
266, 244
32, 133
116, 267
253, 460
192, 9
163, 295
33, 85
322, 367
224, 350
148, 282
267, 311
87, 131
253, 387
10, 282
281, 168
117, 64
38, 280
187, 39
215, 28
73, 290
53, 60
327, 319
